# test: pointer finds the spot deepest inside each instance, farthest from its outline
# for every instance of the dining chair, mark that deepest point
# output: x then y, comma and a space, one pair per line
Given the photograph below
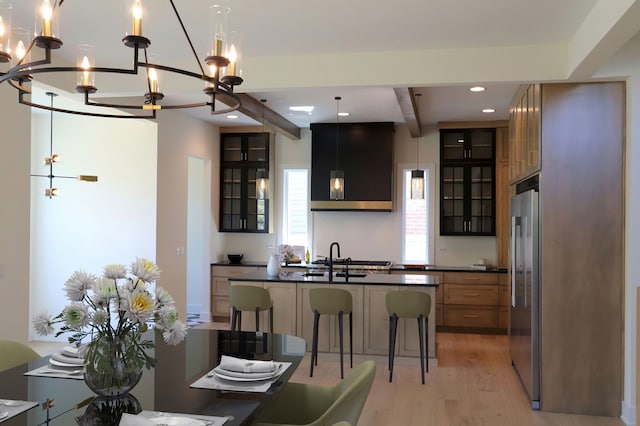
14, 353
249, 298
408, 304
331, 301
315, 405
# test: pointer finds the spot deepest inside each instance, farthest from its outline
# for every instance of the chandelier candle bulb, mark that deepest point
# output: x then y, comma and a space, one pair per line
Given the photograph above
153, 80
136, 11
46, 11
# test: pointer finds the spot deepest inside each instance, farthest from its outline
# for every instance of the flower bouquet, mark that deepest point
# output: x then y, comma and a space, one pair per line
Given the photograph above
112, 312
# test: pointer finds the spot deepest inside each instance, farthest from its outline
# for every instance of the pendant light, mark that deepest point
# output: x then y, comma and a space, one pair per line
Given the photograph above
336, 183
52, 159
262, 175
417, 175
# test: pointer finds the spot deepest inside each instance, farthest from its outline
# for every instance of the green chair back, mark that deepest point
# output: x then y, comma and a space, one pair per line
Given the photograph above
313, 405
408, 303
14, 353
248, 298
330, 301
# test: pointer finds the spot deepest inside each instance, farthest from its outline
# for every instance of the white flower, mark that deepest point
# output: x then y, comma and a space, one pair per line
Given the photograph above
100, 317
139, 307
77, 285
104, 289
43, 324
145, 270
166, 317
175, 334
76, 315
115, 271
164, 298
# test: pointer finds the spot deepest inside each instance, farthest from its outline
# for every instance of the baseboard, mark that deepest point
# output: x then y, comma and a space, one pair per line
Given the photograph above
628, 415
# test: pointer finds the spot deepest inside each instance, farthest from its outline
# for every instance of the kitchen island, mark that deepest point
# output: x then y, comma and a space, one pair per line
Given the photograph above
292, 314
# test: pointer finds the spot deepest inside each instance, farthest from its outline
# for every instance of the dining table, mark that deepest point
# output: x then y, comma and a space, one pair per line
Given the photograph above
172, 386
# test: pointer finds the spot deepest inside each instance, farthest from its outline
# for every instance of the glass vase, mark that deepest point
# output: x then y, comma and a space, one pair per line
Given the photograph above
112, 365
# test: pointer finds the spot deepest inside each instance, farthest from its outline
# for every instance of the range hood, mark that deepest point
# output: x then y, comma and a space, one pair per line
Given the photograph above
366, 157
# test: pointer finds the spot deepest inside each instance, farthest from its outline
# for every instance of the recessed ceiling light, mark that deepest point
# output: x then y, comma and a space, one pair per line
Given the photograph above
307, 109
343, 114
488, 110
232, 117
477, 89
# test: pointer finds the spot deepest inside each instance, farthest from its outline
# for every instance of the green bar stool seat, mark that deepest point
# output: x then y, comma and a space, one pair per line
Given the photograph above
249, 298
14, 353
408, 304
331, 301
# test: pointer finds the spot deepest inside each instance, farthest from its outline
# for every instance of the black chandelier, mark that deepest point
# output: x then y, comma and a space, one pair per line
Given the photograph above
222, 60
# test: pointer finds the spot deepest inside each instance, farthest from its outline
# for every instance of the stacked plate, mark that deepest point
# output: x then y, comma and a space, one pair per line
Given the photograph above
242, 370
68, 357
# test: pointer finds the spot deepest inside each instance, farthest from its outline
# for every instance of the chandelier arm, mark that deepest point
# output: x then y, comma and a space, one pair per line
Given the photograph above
186, 34
89, 114
202, 77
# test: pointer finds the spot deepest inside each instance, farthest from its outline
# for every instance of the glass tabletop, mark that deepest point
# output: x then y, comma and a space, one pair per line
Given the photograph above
165, 388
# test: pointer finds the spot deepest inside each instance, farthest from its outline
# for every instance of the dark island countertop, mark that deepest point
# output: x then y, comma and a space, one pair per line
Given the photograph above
294, 276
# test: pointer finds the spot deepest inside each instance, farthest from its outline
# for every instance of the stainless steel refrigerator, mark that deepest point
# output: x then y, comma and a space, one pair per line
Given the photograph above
525, 321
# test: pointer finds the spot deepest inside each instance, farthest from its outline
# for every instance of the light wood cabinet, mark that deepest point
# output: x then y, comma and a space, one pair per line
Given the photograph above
471, 300
524, 125
220, 305
503, 198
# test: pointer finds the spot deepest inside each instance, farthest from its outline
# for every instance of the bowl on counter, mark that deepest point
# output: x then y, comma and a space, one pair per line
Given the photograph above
235, 258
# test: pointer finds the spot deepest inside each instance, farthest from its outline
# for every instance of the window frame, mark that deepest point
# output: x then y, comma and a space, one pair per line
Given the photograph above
404, 169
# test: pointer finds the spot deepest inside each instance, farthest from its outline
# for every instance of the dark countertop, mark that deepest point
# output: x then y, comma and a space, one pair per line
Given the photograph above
370, 279
394, 268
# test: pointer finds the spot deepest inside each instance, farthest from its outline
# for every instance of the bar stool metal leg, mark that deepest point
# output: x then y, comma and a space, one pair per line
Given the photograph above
271, 320
394, 330
233, 318
426, 341
420, 333
351, 338
341, 345
257, 319
314, 343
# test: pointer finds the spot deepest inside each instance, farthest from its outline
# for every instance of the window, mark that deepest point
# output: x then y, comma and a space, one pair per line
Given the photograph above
295, 208
415, 221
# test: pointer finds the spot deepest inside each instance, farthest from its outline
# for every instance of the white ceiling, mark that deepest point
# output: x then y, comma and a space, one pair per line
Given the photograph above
292, 31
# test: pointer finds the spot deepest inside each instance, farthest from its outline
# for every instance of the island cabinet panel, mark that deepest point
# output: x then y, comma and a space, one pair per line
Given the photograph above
284, 299
376, 331
305, 319
220, 305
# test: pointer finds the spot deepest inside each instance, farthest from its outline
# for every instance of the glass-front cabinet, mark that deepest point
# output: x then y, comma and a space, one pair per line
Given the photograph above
242, 156
467, 182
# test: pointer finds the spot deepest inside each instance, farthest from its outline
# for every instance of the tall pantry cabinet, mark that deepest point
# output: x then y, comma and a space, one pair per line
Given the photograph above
573, 135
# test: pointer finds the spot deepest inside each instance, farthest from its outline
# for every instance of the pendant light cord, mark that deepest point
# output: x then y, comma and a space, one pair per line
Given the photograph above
337, 98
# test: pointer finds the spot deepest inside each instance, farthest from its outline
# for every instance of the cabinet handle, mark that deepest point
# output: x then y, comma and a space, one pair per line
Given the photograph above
471, 294
471, 316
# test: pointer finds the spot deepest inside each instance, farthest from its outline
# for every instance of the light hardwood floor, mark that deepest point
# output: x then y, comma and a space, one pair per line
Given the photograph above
474, 384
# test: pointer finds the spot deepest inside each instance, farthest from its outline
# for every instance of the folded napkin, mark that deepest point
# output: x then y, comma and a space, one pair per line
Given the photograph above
230, 363
59, 356
143, 419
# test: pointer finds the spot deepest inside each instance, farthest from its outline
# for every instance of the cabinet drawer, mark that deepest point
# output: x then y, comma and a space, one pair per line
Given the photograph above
455, 294
440, 294
504, 295
439, 314
470, 278
232, 271
221, 287
503, 317
220, 306
463, 316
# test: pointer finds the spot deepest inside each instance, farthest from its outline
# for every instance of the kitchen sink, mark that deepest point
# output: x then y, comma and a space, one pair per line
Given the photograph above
355, 275
313, 274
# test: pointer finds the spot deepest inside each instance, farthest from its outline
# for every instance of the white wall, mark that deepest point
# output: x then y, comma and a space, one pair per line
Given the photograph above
89, 225
362, 235
181, 136
14, 216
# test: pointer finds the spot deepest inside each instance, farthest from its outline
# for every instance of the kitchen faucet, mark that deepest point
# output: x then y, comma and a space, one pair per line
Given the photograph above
331, 258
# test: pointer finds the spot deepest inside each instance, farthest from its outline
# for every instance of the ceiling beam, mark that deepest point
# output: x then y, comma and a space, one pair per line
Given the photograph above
407, 102
253, 108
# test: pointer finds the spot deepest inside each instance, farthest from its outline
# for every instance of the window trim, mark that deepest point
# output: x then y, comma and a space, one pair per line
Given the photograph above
283, 199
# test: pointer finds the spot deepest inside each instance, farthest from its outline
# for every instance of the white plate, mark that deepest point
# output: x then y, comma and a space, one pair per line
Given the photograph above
60, 357
242, 379
3, 414
64, 364
249, 376
174, 420
10, 402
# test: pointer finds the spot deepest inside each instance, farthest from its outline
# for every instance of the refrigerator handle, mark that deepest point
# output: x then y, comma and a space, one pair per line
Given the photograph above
514, 227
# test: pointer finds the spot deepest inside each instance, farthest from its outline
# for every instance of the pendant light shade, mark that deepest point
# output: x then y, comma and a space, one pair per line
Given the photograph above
336, 182
417, 184
262, 175
417, 175
262, 184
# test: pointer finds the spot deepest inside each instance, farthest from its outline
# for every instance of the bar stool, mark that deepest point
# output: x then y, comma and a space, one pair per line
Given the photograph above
249, 298
330, 301
408, 304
